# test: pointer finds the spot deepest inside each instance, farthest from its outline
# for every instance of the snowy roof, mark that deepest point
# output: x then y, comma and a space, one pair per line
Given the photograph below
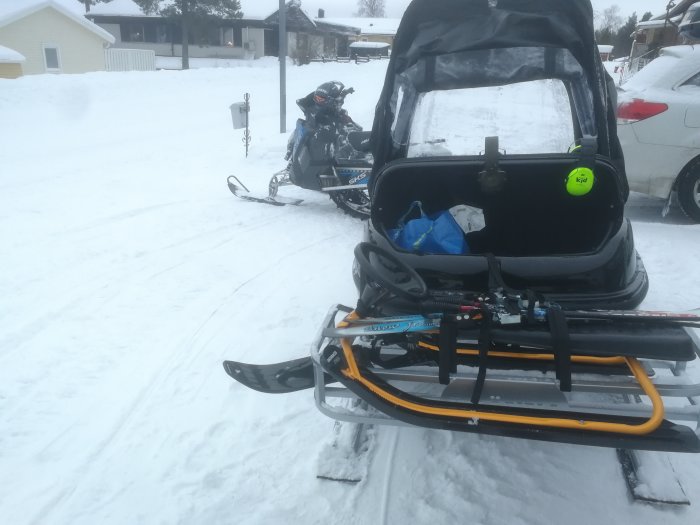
12, 10
604, 48
368, 26
369, 45
652, 24
252, 10
10, 56
117, 8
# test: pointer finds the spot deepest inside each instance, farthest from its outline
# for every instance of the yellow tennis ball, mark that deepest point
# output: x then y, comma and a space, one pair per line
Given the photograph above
580, 182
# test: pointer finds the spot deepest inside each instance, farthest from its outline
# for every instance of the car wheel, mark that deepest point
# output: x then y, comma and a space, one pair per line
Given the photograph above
689, 192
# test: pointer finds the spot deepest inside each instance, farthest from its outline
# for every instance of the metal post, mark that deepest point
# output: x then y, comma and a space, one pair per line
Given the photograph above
246, 136
283, 66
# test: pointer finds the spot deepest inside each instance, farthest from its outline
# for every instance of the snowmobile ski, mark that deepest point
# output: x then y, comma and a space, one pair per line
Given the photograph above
240, 191
650, 478
277, 378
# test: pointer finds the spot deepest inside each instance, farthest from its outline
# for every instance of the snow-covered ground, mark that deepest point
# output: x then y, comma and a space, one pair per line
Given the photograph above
129, 273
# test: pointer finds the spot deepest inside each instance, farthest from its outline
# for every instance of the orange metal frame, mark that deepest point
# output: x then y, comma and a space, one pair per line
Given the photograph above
353, 372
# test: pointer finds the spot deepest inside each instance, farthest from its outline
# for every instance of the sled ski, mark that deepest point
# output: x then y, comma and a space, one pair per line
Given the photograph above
240, 191
278, 378
650, 478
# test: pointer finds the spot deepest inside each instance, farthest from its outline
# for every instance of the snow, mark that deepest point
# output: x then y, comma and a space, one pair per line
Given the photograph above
10, 56
129, 273
368, 45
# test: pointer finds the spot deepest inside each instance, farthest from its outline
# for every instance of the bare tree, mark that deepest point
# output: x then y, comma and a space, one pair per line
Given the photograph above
610, 19
371, 8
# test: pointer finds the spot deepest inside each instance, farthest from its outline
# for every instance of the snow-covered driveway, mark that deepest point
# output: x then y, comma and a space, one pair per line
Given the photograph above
128, 272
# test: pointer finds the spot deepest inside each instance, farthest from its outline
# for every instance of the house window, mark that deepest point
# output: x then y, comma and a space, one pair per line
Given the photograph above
52, 60
162, 34
329, 46
233, 37
133, 32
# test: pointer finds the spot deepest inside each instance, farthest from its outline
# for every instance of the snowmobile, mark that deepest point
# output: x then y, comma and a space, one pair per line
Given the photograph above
327, 152
528, 329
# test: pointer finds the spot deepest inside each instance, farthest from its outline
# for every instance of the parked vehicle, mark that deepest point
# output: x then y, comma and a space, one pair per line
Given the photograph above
658, 119
328, 152
449, 335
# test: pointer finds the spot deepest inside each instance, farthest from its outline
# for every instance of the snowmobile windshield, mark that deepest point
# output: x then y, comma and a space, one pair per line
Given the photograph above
535, 99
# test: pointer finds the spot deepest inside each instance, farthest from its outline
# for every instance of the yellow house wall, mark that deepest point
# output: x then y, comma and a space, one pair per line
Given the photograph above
80, 50
10, 70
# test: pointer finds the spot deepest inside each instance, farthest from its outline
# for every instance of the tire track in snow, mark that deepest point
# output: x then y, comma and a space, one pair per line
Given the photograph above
168, 375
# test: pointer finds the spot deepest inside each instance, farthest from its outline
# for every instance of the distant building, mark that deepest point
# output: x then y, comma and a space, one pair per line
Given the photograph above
134, 29
605, 51
244, 38
309, 38
660, 31
371, 29
52, 37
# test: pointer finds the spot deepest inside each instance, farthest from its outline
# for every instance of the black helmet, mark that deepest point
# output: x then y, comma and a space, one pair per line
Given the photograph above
329, 94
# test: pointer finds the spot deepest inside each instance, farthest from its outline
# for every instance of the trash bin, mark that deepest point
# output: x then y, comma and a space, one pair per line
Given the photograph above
238, 115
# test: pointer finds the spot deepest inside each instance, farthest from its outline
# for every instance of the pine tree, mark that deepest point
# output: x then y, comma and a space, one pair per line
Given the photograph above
623, 39
88, 3
189, 13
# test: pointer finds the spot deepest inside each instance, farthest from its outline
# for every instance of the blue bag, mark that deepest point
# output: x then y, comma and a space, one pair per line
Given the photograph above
437, 233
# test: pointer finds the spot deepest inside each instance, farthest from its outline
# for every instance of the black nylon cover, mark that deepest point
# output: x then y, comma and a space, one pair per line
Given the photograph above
443, 27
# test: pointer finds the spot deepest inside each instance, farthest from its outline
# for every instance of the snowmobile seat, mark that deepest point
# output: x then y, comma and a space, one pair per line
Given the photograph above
360, 140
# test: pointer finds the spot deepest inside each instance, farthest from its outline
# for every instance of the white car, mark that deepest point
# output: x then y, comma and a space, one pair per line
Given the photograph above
658, 119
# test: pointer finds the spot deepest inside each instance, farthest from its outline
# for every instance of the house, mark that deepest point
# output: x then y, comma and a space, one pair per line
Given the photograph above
309, 38
605, 51
252, 36
369, 49
52, 36
134, 29
660, 31
382, 30
10, 63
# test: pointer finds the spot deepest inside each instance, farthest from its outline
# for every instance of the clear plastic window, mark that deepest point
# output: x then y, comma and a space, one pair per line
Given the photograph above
535, 99
528, 117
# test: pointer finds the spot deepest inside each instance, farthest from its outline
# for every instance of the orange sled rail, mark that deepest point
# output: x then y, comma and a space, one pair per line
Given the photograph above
405, 396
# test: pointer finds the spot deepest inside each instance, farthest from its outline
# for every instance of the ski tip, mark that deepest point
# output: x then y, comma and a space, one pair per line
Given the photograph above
232, 368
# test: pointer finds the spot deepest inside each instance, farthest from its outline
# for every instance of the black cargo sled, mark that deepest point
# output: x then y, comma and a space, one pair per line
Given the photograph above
497, 117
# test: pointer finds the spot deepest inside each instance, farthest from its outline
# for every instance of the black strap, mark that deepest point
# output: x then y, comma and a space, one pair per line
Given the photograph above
562, 347
485, 339
587, 151
430, 63
448, 350
550, 62
495, 277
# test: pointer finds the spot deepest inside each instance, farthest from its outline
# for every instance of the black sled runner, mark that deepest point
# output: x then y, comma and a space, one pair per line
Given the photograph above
526, 326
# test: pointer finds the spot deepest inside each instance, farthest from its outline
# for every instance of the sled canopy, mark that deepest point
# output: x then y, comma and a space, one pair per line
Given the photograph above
460, 44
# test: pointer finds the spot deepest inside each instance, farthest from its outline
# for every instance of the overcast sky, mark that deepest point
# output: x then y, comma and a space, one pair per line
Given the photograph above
395, 8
